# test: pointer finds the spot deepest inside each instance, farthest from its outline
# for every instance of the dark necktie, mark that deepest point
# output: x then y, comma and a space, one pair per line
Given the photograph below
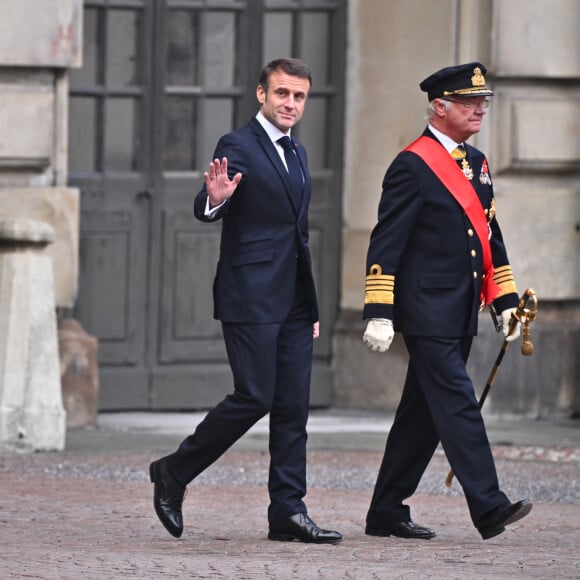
293, 168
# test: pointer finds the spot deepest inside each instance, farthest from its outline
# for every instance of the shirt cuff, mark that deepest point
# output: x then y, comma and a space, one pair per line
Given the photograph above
210, 212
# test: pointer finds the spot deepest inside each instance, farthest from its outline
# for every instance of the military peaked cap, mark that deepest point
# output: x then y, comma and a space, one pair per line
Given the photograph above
464, 80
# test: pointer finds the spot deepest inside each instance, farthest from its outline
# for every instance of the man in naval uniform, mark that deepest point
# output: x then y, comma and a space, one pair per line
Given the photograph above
435, 256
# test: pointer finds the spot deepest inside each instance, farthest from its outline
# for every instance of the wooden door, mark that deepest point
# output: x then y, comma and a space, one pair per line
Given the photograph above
161, 81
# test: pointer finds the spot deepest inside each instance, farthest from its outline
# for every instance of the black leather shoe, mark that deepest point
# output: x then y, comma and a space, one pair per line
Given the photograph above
401, 530
300, 527
494, 523
167, 498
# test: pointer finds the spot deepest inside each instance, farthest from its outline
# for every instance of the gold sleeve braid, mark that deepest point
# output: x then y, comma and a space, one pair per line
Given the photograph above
504, 278
379, 287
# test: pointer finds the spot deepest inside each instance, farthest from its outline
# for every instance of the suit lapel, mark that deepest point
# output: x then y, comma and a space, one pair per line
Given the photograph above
304, 166
274, 157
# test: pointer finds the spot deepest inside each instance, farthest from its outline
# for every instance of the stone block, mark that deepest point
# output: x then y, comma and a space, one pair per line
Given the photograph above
544, 384
536, 39
59, 207
32, 417
41, 33
535, 130
27, 118
366, 379
79, 373
540, 220
379, 30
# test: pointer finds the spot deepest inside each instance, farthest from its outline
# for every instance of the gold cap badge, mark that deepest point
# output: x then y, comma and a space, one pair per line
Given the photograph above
477, 80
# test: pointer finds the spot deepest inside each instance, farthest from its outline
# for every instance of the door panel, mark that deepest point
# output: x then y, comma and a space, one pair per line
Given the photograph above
188, 332
162, 81
113, 270
106, 248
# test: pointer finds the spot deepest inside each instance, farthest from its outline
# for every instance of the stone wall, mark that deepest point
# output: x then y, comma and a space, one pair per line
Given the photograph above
58, 207
39, 41
32, 417
532, 138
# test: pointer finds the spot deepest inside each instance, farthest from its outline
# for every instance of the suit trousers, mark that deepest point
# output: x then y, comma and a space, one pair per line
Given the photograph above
271, 366
438, 404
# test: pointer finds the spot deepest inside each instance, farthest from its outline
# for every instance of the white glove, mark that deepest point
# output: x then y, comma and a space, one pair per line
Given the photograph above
506, 317
379, 334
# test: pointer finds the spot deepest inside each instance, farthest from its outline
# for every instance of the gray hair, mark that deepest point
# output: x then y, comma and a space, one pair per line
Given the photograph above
431, 107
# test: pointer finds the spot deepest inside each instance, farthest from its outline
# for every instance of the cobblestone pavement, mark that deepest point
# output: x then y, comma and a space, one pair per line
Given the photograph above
86, 513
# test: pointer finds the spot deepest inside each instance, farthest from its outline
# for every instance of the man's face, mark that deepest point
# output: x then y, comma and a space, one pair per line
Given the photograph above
283, 102
463, 118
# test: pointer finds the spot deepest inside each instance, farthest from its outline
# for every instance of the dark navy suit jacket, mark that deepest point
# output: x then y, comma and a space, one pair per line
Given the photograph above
264, 240
424, 239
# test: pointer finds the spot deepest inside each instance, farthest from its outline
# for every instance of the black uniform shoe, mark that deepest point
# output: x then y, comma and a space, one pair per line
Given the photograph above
495, 521
401, 530
300, 527
167, 498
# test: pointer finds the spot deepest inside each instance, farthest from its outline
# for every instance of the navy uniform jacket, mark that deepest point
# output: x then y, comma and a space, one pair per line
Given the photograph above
264, 239
424, 263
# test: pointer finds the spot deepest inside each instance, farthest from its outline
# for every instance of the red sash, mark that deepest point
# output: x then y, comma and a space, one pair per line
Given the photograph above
448, 172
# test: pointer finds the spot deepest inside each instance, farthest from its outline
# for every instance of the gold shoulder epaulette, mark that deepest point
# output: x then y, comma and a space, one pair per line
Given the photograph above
379, 287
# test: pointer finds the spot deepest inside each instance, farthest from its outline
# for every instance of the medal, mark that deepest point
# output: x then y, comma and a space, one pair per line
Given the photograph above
466, 168
484, 177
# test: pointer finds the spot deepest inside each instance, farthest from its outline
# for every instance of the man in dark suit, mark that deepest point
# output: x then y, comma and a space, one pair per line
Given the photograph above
259, 186
436, 255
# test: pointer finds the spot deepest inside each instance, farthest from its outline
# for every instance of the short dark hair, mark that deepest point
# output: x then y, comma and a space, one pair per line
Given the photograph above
291, 66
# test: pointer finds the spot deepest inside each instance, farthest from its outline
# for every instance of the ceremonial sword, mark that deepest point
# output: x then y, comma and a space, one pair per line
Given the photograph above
525, 314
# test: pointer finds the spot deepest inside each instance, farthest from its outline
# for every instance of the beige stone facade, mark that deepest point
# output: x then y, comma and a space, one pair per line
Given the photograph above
532, 139
39, 41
